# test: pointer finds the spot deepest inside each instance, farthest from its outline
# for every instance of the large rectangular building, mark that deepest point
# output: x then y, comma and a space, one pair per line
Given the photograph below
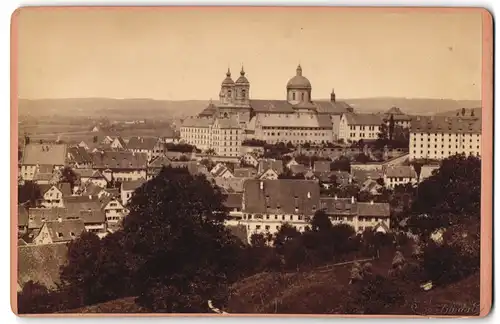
438, 137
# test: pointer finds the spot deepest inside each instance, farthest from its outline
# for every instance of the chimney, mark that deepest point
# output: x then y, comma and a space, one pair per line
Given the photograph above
59, 219
261, 185
371, 202
332, 96
335, 197
309, 195
352, 200
90, 197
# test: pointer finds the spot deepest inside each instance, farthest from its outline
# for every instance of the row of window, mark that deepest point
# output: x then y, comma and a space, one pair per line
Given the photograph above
370, 135
294, 134
449, 146
443, 152
414, 135
449, 140
370, 128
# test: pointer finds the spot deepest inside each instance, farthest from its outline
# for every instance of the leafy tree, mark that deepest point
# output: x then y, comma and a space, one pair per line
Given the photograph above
258, 240
455, 189
78, 276
362, 158
210, 151
341, 164
391, 127
187, 250
69, 176
463, 111
29, 193
33, 299
321, 222
95, 139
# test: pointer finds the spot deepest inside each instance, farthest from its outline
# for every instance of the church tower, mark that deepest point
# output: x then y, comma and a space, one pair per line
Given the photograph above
242, 90
226, 95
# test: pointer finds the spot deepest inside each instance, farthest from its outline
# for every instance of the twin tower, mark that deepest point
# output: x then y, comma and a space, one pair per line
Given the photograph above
237, 93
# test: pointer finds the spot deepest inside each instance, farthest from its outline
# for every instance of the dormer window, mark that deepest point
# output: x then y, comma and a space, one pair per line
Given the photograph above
59, 234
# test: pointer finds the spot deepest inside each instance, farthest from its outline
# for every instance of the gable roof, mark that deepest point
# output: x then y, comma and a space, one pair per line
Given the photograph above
244, 172
446, 124
281, 196
79, 155
132, 185
86, 208
41, 263
119, 160
64, 230
142, 143
37, 216
88, 173
283, 106
373, 209
364, 119
63, 187
400, 171
276, 165
231, 184
52, 154
233, 200
346, 207
160, 162
298, 168
120, 140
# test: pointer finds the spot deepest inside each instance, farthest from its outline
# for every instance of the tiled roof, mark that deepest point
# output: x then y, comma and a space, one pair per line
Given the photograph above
345, 206
37, 216
276, 165
446, 124
119, 160
52, 154
427, 170
86, 208
41, 263
64, 187
159, 162
231, 184
283, 106
361, 176
142, 143
79, 155
373, 209
245, 172
65, 230
400, 171
370, 185
322, 166
197, 122
88, 173
228, 123
210, 110
121, 141
339, 206
281, 196
233, 200
298, 168
364, 119
132, 185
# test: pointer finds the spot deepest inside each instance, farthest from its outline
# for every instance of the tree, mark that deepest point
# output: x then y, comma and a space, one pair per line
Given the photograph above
69, 176
33, 299
463, 111
321, 222
78, 276
29, 193
94, 139
391, 128
362, 158
455, 189
187, 256
341, 164
210, 151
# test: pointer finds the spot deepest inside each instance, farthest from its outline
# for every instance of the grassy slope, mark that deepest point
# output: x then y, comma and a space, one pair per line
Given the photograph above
316, 292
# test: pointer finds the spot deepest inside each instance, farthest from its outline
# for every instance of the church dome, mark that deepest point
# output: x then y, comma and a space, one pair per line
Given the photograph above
242, 79
228, 81
298, 81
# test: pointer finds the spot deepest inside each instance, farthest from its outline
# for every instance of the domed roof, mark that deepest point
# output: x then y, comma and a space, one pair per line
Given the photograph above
242, 79
228, 80
298, 81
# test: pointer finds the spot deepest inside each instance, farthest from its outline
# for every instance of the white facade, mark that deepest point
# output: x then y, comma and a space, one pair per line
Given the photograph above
353, 128
438, 146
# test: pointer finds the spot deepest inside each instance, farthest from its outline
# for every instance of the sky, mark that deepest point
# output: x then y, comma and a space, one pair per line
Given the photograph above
184, 53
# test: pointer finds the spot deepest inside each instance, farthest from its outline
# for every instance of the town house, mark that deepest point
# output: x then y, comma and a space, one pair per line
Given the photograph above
93, 176
399, 175
268, 204
153, 147
59, 231
53, 196
128, 188
120, 165
52, 156
360, 215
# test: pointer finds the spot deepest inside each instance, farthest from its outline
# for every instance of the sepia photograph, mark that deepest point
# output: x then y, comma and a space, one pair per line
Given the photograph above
251, 161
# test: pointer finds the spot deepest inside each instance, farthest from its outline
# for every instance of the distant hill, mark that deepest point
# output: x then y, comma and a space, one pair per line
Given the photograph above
477, 112
123, 109
411, 106
117, 109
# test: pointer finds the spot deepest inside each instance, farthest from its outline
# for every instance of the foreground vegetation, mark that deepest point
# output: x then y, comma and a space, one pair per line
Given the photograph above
174, 254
